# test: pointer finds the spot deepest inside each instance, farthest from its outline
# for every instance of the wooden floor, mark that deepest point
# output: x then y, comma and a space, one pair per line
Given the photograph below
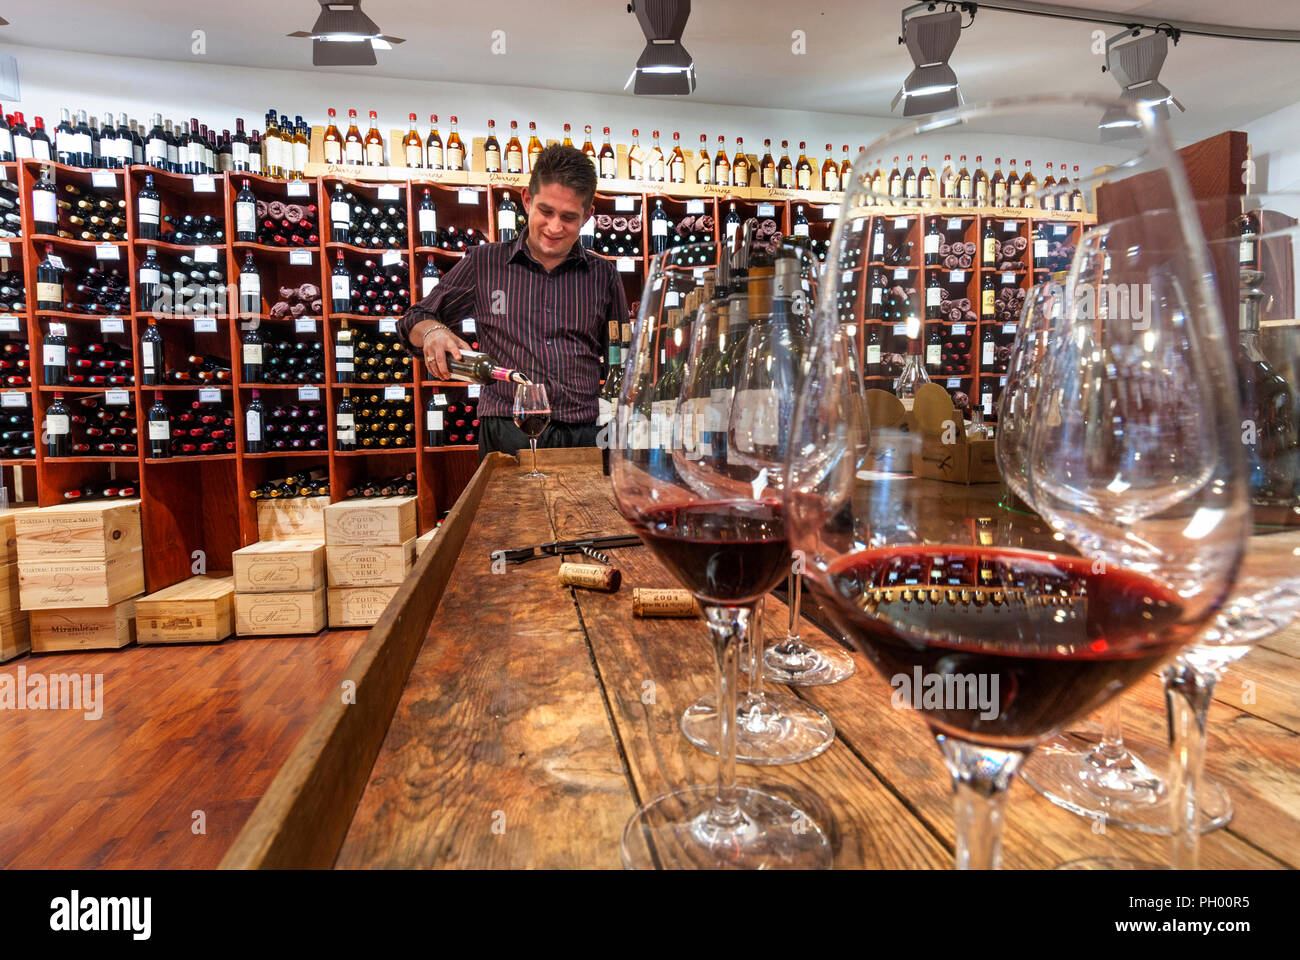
190, 737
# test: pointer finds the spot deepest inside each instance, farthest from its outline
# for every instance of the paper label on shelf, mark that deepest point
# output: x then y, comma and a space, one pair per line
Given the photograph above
54, 354
11, 398
57, 424
694, 206
117, 398
475, 390
309, 393
900, 273
388, 325
959, 329
624, 204
58, 329
830, 211
1060, 230
209, 395
8, 323
394, 393
427, 284
252, 425
1008, 278
110, 325
304, 325
439, 399
205, 324
340, 287
1010, 226
160, 429
672, 298
428, 220
340, 212
626, 265
5, 249
389, 192
467, 196
205, 183
391, 257
900, 329
298, 188
957, 276
205, 254
106, 251
953, 383
766, 210
900, 223
859, 224
55, 261
300, 258
103, 178
954, 223
1009, 329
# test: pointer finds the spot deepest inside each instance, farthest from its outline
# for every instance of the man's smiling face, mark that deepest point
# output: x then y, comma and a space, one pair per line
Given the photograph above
555, 215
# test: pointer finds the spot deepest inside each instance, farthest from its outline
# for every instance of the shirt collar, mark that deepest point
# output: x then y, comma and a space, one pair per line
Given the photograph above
519, 253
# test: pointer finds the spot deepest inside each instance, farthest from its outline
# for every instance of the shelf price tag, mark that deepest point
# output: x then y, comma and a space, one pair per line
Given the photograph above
900, 223
13, 398
1060, 230
830, 211
1010, 226
697, 272
309, 393
394, 393
106, 251
672, 298
103, 178
954, 383
957, 276
954, 223
388, 325
1008, 278
6, 250
205, 254
58, 329
846, 276
299, 188
389, 192
8, 323
300, 258
117, 398
624, 205
474, 391
391, 257
958, 329
209, 395
859, 224
766, 210
900, 329
626, 265
900, 273
304, 325
694, 206
205, 324
205, 183
467, 196
110, 325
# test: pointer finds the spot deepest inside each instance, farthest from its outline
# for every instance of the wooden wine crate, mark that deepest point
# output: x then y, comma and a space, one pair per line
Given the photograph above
371, 521
297, 518
8, 535
424, 542
198, 610
15, 635
280, 566
80, 583
83, 628
368, 566
9, 600
79, 531
279, 614
358, 606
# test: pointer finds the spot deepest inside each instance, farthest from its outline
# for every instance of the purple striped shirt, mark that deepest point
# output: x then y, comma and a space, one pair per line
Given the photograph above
552, 326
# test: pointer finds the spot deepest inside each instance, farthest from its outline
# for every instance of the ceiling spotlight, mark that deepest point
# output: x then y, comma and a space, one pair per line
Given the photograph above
931, 39
665, 68
343, 36
1135, 61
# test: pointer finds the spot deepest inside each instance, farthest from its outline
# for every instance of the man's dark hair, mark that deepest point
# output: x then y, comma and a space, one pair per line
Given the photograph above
567, 166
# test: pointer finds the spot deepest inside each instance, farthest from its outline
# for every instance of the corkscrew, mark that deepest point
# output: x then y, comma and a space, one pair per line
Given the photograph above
591, 546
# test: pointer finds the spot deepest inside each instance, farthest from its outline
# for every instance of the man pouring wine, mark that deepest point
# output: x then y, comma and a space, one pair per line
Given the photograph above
542, 306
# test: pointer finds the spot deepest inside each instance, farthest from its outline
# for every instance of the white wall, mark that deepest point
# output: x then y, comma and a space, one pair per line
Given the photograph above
216, 94
1275, 145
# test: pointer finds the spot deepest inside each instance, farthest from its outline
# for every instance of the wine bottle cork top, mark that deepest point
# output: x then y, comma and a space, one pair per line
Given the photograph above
590, 576
663, 602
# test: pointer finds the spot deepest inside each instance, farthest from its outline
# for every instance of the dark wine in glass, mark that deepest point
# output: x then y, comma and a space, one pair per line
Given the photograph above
532, 423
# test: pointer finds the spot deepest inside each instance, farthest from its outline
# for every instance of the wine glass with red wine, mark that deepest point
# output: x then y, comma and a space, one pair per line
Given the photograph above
998, 635
719, 529
532, 414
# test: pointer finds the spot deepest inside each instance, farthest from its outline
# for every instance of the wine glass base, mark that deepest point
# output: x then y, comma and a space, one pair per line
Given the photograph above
783, 729
815, 668
1136, 798
676, 832
535, 475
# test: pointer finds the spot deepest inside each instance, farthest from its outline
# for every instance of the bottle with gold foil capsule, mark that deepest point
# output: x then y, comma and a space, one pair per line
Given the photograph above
608, 159
492, 150
514, 150
830, 172
983, 186
534, 145
1028, 184
332, 141
997, 184
433, 156
677, 162
767, 166
803, 169
455, 148
374, 143
721, 165
1015, 191
589, 151
568, 140
703, 165
740, 165
413, 146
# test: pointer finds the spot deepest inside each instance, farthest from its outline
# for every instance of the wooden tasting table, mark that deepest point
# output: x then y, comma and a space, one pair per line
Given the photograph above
525, 734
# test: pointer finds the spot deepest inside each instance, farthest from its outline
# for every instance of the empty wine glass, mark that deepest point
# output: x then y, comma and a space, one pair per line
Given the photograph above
532, 414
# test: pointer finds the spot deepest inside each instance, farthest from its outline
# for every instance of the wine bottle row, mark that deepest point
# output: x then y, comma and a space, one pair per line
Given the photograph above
374, 421
362, 356
377, 289
363, 224
274, 222
282, 361
204, 429
86, 365
313, 482
285, 426
401, 485
450, 420
81, 427
15, 364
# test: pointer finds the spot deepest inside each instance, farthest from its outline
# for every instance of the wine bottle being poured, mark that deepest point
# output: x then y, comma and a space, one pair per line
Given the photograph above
479, 368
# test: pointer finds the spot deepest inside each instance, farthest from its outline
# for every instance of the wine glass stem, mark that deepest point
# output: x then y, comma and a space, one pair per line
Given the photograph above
756, 651
794, 593
1188, 692
727, 626
980, 778
533, 442
1111, 749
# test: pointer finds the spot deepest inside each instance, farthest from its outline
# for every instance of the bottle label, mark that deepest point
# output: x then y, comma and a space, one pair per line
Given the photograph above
877, 295
57, 424
990, 250
719, 417
986, 356
6, 141
987, 300
933, 354
342, 350
353, 152
54, 355
253, 425
757, 418
982, 192
246, 217
878, 245
347, 435
1000, 194
49, 292
427, 285
344, 421
801, 229
1040, 249
505, 220
609, 167
805, 179
45, 206
159, 429
933, 296
455, 158
428, 221
1247, 252
658, 228
41, 150
605, 412
250, 285
931, 243
253, 353
436, 420
702, 173
150, 275
340, 211
731, 231
340, 287
514, 160
873, 353
254, 162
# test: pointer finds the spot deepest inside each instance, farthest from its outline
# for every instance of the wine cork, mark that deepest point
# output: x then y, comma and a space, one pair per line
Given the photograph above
590, 576
662, 602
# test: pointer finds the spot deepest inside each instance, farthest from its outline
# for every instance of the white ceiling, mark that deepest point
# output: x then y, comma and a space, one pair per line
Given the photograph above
742, 48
